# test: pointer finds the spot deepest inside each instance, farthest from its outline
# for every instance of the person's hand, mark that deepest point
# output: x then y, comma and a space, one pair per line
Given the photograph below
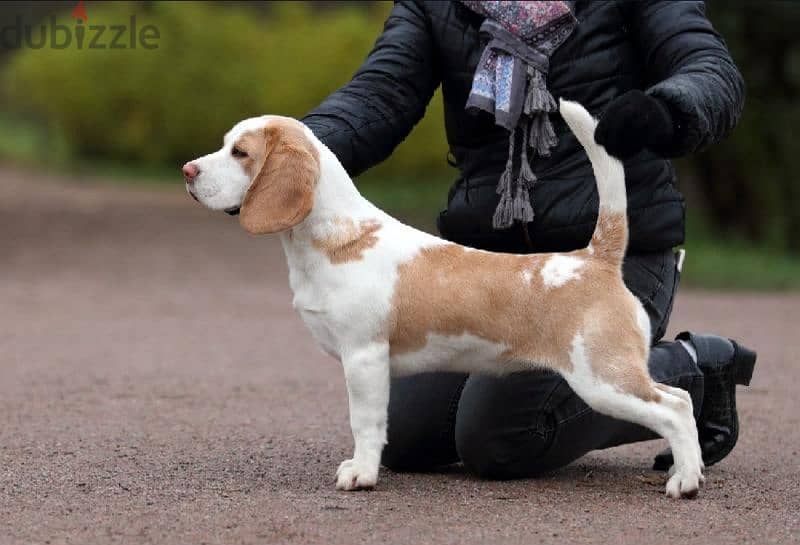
633, 122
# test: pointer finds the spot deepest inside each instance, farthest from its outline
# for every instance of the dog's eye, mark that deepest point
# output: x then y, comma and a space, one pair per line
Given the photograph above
236, 152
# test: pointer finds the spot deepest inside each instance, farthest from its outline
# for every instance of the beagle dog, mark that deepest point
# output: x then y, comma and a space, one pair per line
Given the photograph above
385, 298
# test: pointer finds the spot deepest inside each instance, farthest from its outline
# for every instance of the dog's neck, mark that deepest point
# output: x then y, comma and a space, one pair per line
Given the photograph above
335, 199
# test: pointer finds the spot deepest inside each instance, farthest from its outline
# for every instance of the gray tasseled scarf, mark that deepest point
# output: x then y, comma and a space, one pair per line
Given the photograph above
510, 83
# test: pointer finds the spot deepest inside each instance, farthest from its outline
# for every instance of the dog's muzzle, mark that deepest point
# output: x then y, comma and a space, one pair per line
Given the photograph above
233, 211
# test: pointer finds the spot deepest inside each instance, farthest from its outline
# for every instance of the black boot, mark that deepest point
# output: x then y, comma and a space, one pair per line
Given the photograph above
724, 364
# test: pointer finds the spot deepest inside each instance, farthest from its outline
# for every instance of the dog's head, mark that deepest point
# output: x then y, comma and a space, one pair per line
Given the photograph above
265, 171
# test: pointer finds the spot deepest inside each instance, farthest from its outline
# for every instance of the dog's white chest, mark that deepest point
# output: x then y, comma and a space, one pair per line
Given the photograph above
317, 323
311, 304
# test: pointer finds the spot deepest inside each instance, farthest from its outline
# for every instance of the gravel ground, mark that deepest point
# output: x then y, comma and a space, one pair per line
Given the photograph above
156, 387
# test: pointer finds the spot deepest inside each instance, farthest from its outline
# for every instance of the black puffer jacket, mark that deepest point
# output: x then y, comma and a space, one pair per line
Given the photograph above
667, 48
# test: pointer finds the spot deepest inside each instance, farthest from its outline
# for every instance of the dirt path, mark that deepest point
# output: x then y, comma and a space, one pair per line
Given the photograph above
156, 387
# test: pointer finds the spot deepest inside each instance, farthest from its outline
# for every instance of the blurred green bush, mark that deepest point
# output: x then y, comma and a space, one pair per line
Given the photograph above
213, 66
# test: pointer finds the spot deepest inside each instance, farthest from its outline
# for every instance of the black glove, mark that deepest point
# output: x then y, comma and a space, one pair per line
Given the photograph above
634, 121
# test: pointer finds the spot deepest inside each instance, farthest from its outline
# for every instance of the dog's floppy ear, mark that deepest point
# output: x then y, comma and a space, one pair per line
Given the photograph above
282, 193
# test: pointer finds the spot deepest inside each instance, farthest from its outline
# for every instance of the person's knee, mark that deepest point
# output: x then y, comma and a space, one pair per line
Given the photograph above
479, 453
499, 452
502, 429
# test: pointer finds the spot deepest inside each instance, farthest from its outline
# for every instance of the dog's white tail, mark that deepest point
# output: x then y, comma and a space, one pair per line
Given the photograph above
610, 237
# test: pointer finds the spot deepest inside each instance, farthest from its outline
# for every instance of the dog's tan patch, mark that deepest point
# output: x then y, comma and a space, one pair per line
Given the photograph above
254, 143
450, 290
349, 241
617, 347
285, 166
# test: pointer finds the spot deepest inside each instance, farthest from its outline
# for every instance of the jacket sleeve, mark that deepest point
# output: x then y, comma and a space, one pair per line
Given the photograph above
364, 121
690, 69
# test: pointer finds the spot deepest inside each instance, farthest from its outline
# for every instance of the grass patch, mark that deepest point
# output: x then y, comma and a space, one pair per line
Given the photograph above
726, 263
23, 141
417, 203
126, 173
31, 144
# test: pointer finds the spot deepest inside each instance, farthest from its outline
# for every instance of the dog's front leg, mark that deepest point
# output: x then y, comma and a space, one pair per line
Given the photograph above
366, 371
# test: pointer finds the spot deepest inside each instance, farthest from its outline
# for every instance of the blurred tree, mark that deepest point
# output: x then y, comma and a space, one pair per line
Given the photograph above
749, 183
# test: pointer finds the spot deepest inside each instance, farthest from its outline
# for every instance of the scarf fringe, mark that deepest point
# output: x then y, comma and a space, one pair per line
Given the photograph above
504, 213
538, 98
515, 198
541, 136
522, 209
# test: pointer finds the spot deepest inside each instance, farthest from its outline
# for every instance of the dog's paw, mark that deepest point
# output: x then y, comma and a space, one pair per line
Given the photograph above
352, 475
684, 483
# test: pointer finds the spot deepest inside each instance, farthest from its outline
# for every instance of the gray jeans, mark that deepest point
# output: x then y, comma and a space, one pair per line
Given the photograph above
529, 423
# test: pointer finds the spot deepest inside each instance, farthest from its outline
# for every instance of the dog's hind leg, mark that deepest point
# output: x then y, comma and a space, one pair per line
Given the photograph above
366, 372
684, 395
670, 391
634, 397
